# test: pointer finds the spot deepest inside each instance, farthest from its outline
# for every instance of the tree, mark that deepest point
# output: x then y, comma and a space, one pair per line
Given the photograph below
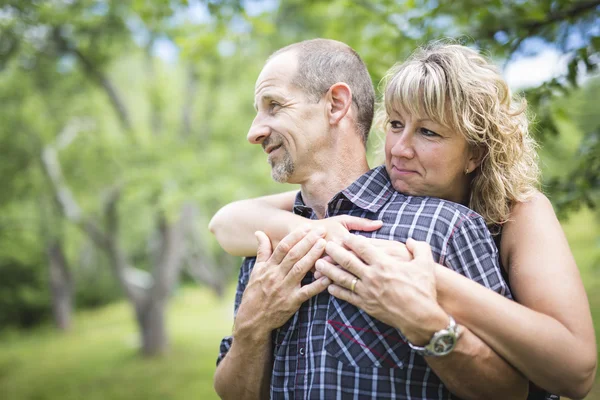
80, 40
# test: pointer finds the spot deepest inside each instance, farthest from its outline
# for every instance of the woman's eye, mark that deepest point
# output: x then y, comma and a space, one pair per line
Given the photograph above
396, 125
428, 133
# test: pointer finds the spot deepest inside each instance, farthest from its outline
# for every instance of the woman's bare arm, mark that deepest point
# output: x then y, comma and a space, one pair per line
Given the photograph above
234, 224
549, 336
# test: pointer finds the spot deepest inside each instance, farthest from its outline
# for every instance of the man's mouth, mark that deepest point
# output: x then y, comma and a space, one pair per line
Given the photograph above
271, 149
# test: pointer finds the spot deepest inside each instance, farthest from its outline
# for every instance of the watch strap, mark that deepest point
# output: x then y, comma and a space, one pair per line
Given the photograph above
435, 348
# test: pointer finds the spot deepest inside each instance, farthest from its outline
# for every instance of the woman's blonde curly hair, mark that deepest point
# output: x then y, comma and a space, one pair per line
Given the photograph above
455, 86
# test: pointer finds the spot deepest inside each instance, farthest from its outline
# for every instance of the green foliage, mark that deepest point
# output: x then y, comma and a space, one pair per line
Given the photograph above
23, 295
575, 179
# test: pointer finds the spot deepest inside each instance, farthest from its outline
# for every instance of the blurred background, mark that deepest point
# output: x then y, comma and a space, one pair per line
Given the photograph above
122, 131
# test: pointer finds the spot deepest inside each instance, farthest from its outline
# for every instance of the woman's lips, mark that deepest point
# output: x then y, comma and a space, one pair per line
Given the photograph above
402, 171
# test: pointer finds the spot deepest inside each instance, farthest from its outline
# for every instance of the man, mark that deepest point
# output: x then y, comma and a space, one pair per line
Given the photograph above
291, 339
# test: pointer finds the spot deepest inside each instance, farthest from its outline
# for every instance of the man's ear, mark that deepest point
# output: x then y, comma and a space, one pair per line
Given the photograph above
339, 100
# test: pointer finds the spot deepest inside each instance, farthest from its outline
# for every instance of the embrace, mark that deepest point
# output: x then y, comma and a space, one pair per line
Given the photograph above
442, 274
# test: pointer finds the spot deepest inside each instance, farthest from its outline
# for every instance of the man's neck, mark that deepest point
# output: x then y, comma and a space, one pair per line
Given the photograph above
321, 186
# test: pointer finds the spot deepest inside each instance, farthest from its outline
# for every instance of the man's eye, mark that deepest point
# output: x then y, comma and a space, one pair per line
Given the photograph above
274, 104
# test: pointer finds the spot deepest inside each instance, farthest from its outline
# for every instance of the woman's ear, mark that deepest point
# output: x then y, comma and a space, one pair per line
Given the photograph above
476, 155
339, 100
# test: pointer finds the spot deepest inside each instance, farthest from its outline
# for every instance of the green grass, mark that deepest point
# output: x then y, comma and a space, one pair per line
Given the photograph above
99, 358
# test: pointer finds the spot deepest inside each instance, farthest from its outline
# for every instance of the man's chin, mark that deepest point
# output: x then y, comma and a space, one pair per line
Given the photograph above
279, 179
281, 174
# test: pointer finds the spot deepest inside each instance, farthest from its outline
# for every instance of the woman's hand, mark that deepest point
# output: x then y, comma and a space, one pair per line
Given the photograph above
338, 227
378, 279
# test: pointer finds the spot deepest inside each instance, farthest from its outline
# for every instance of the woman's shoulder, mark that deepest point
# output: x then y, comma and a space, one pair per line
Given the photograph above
537, 207
532, 226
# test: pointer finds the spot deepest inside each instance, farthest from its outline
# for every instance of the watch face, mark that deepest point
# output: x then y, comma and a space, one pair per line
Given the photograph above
444, 344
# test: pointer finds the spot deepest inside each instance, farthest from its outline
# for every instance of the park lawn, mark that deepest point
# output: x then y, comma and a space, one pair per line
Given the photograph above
99, 360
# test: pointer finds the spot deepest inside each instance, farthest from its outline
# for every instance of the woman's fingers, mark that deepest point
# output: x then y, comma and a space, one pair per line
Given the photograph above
345, 259
360, 224
362, 248
419, 250
392, 248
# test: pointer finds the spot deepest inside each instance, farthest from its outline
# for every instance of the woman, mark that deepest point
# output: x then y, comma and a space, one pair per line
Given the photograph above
449, 92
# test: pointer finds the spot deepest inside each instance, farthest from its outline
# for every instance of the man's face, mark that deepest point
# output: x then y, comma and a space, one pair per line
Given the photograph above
287, 125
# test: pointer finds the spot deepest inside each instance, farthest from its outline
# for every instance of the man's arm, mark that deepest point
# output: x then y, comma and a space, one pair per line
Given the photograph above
472, 370
402, 294
472, 252
245, 370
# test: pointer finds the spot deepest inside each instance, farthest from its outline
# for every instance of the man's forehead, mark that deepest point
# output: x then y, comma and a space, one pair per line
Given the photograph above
278, 70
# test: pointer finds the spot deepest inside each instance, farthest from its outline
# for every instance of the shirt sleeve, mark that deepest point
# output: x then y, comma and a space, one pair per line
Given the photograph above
471, 252
243, 278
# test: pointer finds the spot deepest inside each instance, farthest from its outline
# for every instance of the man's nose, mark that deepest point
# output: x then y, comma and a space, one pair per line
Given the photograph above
258, 131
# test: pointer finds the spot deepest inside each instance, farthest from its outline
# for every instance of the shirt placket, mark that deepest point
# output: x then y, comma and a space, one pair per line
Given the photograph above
301, 379
301, 358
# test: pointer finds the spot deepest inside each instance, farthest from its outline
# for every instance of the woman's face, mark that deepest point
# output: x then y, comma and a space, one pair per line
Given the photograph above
424, 158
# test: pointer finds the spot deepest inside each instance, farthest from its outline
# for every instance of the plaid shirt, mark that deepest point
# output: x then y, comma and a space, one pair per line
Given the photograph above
330, 349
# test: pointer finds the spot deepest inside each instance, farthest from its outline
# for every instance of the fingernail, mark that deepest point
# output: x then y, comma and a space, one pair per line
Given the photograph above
325, 281
305, 228
321, 244
346, 237
319, 265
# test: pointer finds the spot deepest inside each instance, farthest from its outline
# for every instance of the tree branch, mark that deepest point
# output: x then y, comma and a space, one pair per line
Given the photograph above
96, 75
106, 84
155, 109
107, 241
168, 267
531, 27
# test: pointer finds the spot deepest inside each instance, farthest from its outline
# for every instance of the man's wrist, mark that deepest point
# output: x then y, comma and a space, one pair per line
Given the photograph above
245, 332
249, 328
421, 335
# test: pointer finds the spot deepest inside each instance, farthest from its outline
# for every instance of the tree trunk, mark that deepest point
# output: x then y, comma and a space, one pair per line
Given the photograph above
152, 325
61, 286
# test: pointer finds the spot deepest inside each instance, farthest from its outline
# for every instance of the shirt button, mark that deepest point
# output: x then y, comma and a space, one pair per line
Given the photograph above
301, 351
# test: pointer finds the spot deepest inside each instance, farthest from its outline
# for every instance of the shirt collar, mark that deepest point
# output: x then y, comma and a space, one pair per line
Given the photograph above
369, 192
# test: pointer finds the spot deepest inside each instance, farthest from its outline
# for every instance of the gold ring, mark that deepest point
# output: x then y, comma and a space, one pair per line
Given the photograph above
353, 285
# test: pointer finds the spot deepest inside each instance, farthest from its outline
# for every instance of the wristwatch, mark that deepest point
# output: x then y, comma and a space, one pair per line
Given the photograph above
442, 342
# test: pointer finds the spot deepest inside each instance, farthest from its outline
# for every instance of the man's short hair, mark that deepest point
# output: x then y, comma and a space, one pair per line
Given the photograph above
324, 62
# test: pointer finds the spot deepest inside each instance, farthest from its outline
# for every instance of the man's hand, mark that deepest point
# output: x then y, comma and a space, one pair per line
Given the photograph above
398, 292
274, 292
